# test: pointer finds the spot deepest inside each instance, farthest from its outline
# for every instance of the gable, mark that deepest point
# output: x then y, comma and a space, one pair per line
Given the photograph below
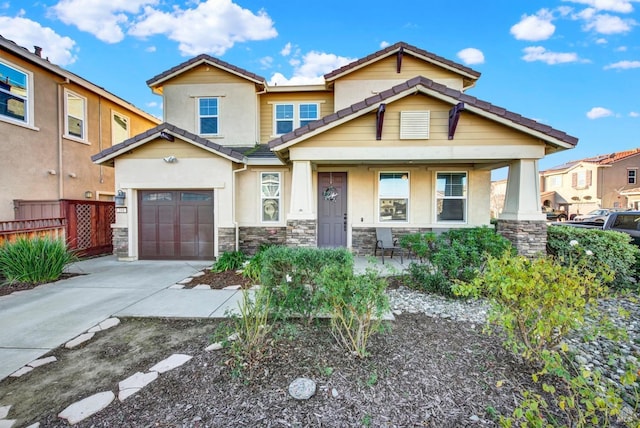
160, 148
204, 74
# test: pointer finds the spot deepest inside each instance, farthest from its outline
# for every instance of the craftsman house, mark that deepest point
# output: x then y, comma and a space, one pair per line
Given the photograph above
390, 140
604, 181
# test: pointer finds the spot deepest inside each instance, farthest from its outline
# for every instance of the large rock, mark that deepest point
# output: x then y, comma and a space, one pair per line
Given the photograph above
302, 388
82, 409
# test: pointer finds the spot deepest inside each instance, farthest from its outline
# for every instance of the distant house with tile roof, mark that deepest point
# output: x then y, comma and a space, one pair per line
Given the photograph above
390, 140
604, 181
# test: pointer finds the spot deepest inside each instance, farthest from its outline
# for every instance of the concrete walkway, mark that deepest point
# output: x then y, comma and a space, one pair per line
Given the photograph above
34, 322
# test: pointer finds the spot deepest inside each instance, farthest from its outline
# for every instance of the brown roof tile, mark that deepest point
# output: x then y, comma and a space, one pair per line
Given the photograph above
390, 49
211, 60
427, 83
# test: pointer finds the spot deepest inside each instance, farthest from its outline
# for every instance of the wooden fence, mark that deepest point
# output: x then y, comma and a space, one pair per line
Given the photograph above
51, 227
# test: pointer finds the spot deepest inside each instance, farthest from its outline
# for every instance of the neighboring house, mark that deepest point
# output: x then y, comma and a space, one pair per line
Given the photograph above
498, 193
51, 122
390, 140
605, 181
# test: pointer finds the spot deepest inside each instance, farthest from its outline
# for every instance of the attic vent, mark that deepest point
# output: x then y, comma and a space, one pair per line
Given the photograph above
414, 125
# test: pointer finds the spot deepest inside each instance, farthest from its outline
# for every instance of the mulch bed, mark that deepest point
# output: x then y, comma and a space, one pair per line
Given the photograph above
219, 280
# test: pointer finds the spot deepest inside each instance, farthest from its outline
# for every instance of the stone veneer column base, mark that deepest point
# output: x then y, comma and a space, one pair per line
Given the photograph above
252, 237
120, 241
301, 233
528, 236
226, 239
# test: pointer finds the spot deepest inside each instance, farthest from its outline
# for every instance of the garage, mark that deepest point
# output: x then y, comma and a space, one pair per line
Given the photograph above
175, 224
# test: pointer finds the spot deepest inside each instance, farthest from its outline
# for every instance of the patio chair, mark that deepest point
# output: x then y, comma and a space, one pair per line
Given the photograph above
384, 241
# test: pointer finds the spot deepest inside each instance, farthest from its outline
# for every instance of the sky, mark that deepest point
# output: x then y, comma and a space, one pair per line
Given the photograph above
571, 64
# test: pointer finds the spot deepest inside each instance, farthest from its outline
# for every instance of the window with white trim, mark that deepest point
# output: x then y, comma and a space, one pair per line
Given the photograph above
451, 196
554, 181
75, 107
270, 196
632, 176
289, 116
119, 127
15, 93
393, 196
208, 116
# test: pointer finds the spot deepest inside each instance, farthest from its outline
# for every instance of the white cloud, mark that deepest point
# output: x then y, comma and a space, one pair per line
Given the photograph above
213, 26
27, 33
620, 6
621, 49
534, 27
601, 41
538, 53
151, 49
286, 50
623, 65
608, 24
104, 19
471, 56
599, 112
311, 69
634, 114
384, 44
266, 62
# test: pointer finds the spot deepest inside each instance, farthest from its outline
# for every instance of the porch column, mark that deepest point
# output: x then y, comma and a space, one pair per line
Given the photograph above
522, 221
301, 219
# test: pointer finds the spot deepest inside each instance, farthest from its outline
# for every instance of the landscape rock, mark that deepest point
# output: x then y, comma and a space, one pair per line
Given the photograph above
79, 340
105, 325
214, 347
4, 411
232, 287
135, 383
42, 361
7, 423
233, 337
302, 388
177, 286
202, 287
21, 371
82, 409
197, 274
170, 363
185, 281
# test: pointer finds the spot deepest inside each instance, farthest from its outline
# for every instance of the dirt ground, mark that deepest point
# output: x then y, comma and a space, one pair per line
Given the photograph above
422, 372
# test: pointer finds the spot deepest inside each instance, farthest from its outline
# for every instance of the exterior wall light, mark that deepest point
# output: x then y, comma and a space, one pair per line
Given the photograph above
119, 198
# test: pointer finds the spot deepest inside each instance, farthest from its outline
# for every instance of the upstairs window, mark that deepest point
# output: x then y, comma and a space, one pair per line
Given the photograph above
393, 196
290, 116
14, 93
119, 127
581, 179
270, 191
76, 113
554, 181
451, 196
632, 176
208, 116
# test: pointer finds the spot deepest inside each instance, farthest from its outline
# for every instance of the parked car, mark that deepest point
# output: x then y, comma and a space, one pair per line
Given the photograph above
620, 221
597, 216
555, 215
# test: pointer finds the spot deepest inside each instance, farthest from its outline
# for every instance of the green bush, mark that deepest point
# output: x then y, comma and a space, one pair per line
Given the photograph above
254, 267
456, 255
600, 248
291, 276
356, 304
34, 261
229, 260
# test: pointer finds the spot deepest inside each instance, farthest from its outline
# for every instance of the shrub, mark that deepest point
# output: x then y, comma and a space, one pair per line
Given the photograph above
605, 247
356, 304
254, 267
456, 255
291, 276
229, 260
34, 261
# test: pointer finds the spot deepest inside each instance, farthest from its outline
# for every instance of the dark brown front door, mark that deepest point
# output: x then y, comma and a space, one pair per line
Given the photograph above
175, 224
332, 209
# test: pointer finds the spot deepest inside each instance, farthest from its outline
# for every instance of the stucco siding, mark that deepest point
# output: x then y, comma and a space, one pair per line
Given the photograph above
248, 208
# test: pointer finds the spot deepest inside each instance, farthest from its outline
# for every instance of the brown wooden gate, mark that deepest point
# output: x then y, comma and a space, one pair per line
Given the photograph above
89, 226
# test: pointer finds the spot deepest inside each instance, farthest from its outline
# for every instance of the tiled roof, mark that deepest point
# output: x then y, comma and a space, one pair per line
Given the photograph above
413, 84
259, 151
211, 60
186, 135
389, 49
606, 159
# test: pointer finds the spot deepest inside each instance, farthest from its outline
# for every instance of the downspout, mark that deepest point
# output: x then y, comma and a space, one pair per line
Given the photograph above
100, 176
233, 205
60, 132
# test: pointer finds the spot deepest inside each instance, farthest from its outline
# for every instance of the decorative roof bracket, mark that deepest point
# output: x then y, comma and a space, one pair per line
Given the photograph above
454, 115
380, 120
399, 60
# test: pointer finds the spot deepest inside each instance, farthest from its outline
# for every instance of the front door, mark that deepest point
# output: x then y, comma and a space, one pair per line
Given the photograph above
332, 209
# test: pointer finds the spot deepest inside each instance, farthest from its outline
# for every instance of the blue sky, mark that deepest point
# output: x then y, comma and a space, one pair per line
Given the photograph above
572, 64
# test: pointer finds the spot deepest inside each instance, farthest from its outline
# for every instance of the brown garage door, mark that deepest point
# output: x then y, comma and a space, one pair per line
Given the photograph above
175, 224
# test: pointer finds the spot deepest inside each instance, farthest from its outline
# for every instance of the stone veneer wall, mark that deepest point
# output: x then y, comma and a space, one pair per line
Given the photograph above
252, 237
301, 233
226, 239
528, 236
120, 241
363, 239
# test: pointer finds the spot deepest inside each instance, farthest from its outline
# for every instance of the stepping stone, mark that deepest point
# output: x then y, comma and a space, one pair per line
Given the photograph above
41, 362
21, 371
105, 325
202, 287
214, 347
176, 360
7, 423
232, 287
79, 340
177, 286
82, 409
185, 281
302, 388
197, 274
36, 425
4, 412
135, 383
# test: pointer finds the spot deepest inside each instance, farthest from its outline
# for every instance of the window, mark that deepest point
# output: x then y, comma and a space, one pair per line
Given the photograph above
119, 127
14, 93
581, 179
393, 196
632, 176
208, 116
291, 116
554, 181
451, 196
270, 196
75, 108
